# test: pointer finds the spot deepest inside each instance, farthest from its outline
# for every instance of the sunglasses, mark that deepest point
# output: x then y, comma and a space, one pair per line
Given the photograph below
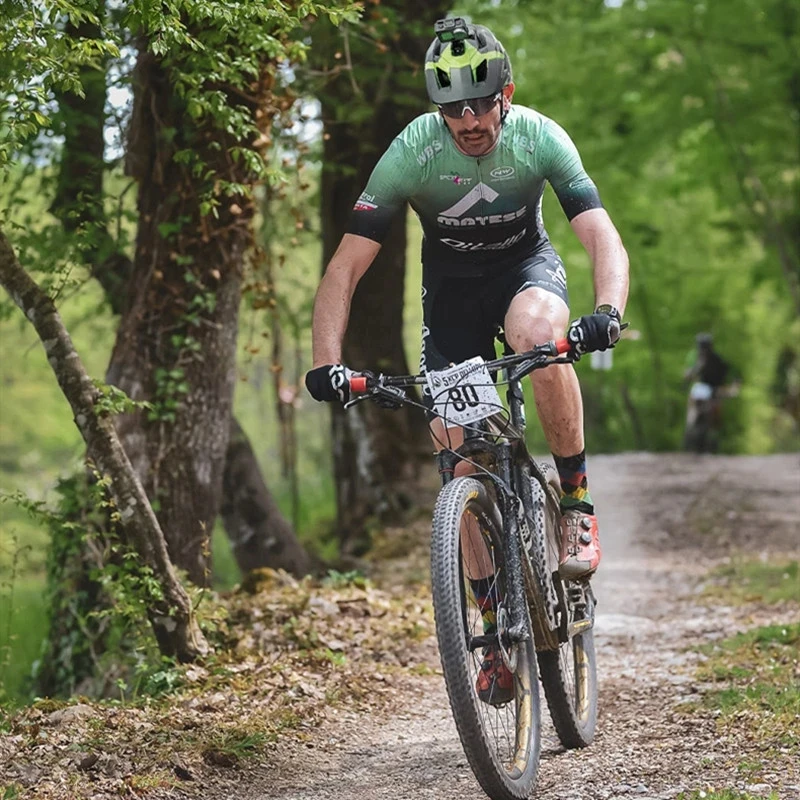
477, 105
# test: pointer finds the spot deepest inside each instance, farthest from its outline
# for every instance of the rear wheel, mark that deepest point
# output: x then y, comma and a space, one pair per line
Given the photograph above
501, 742
569, 672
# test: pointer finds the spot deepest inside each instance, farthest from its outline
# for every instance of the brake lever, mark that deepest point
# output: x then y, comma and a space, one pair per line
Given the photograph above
393, 394
356, 400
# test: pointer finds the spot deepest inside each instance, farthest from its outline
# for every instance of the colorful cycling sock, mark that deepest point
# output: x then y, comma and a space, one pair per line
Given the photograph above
572, 474
484, 590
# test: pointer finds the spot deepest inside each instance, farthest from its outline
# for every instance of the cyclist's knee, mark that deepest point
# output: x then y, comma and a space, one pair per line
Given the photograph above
535, 316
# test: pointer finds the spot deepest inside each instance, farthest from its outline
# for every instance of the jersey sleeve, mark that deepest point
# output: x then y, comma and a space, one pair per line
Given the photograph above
561, 165
386, 191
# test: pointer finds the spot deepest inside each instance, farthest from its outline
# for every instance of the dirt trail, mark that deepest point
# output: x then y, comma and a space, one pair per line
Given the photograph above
649, 618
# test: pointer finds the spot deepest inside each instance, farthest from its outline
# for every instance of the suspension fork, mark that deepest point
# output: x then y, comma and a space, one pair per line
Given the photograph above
517, 630
514, 601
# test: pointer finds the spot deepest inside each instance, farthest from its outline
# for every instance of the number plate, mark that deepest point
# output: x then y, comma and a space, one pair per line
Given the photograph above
701, 392
464, 393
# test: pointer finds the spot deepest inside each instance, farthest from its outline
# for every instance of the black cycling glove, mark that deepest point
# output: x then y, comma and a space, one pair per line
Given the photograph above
329, 383
597, 331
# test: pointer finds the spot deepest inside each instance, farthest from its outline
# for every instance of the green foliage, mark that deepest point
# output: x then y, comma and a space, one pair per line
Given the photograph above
744, 581
76, 635
690, 138
724, 794
758, 668
232, 745
111, 400
12, 792
341, 580
210, 47
22, 622
38, 56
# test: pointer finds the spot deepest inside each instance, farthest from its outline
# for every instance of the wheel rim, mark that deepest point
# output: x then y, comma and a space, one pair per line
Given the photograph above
509, 728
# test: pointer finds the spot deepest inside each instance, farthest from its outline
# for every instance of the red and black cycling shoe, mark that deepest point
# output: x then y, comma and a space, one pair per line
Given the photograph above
580, 545
495, 684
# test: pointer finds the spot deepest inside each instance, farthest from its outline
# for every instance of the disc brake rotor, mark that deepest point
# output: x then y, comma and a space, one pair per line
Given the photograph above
510, 654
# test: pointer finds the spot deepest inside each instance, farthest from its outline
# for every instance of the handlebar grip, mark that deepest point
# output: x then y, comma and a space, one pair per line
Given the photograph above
358, 384
562, 346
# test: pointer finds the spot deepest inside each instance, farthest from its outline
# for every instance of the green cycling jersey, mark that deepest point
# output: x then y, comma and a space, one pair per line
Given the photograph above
477, 213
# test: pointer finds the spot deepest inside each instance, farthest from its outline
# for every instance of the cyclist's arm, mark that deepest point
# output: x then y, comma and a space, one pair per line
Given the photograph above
690, 366
598, 235
582, 206
387, 190
332, 303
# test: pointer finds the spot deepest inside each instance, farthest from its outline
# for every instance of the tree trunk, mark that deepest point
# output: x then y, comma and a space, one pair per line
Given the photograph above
258, 532
78, 202
79, 206
170, 614
176, 343
375, 452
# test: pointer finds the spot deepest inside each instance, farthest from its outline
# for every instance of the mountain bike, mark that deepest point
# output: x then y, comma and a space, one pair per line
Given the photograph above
500, 524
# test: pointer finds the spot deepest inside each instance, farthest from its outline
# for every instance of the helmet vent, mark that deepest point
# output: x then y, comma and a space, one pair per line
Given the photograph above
442, 77
482, 71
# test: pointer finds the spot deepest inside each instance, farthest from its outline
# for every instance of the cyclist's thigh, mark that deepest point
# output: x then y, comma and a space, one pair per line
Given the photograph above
454, 325
535, 305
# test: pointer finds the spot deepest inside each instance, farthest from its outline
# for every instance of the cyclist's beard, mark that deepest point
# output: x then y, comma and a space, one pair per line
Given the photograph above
477, 142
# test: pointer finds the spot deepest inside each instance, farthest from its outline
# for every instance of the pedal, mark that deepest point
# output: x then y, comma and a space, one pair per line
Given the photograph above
579, 626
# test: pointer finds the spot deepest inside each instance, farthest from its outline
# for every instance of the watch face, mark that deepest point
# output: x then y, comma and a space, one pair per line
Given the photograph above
607, 308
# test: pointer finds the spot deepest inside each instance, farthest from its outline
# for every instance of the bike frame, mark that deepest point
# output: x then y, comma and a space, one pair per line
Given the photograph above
513, 469
512, 465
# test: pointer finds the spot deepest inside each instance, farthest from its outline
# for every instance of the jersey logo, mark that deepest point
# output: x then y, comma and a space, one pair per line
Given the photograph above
502, 173
429, 152
365, 203
457, 179
454, 216
471, 247
473, 196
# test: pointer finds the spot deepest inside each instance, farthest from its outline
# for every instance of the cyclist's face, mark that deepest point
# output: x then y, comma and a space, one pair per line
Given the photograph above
476, 136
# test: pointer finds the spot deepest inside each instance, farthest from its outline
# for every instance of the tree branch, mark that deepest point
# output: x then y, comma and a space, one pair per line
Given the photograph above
171, 616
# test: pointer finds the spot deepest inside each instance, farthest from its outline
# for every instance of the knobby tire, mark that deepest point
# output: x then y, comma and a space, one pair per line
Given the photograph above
568, 673
502, 744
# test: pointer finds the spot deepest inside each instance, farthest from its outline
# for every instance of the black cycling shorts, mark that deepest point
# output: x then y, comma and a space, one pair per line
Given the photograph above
461, 315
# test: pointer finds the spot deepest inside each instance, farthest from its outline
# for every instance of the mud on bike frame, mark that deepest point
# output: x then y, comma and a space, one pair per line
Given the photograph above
512, 503
494, 445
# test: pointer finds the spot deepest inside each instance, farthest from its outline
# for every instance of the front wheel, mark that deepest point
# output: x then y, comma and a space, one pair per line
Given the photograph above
501, 740
569, 672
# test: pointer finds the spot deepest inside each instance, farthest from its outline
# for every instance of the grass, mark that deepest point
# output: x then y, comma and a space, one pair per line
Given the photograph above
752, 676
746, 581
234, 745
760, 690
226, 572
23, 622
724, 794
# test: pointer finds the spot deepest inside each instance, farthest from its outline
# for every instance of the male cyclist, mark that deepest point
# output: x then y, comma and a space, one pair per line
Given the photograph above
474, 171
712, 379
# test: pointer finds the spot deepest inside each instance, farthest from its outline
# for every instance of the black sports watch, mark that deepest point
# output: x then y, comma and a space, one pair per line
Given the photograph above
607, 308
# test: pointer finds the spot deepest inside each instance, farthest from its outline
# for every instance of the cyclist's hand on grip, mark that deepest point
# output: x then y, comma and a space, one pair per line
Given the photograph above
597, 331
329, 383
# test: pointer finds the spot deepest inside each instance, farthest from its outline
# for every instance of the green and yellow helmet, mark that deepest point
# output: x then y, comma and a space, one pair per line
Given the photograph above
463, 62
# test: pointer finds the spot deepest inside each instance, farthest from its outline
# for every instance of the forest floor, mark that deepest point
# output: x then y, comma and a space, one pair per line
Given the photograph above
334, 690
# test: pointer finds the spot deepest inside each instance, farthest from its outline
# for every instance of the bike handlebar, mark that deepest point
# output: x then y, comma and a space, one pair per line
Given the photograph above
361, 383
561, 346
358, 384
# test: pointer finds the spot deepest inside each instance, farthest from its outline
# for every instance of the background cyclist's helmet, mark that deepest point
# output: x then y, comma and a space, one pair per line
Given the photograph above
705, 340
473, 65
